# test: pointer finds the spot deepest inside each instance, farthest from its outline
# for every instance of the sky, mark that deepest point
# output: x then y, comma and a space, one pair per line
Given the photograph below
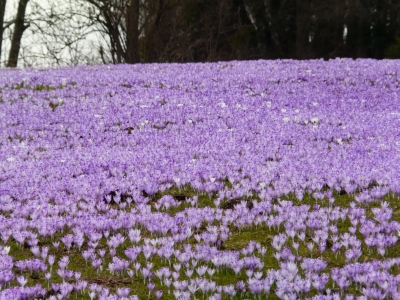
33, 45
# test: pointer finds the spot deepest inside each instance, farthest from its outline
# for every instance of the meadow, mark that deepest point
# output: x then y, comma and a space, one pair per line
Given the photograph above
229, 180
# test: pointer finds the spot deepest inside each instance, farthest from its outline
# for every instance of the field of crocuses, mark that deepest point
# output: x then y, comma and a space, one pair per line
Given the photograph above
229, 180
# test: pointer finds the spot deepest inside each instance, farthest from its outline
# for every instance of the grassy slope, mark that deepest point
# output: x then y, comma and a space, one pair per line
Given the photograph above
237, 241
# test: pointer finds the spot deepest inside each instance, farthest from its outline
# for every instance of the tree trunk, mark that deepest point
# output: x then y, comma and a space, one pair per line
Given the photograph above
2, 11
258, 24
270, 13
359, 26
132, 33
151, 29
327, 28
19, 29
303, 18
114, 34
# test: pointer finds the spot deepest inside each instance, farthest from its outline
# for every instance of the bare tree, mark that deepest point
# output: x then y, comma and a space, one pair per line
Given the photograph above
19, 29
132, 28
303, 20
2, 11
109, 18
72, 32
255, 11
58, 35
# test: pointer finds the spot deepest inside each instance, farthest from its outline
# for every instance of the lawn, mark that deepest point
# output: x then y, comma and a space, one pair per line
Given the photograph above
230, 180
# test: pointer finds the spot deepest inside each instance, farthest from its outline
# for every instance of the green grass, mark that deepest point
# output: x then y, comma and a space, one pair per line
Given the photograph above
39, 87
42, 87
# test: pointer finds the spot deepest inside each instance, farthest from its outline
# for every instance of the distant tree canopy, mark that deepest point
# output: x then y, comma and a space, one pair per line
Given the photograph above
213, 30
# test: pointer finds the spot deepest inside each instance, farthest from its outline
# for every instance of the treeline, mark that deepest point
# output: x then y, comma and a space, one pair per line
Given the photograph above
130, 31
